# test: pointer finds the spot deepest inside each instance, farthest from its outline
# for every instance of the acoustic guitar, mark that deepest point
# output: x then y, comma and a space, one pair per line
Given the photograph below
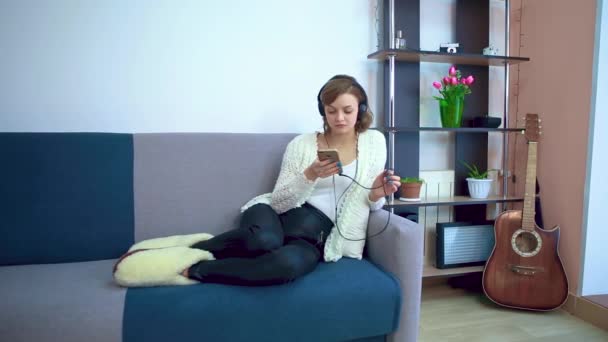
524, 270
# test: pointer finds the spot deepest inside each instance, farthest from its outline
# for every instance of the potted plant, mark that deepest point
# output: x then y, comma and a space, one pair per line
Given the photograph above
452, 88
410, 189
478, 182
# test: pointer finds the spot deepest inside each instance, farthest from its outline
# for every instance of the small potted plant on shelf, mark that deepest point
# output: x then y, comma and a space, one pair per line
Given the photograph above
410, 189
478, 182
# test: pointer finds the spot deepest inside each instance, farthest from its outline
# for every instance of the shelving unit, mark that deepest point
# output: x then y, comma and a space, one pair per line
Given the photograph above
443, 57
402, 97
456, 130
429, 271
453, 201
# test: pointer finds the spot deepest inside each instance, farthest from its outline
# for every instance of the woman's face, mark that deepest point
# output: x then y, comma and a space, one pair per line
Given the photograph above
341, 115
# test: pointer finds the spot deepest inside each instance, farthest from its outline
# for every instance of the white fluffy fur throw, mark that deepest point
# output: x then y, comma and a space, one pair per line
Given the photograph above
171, 241
160, 261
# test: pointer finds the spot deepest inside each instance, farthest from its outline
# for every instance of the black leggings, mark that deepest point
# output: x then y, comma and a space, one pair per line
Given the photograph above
266, 249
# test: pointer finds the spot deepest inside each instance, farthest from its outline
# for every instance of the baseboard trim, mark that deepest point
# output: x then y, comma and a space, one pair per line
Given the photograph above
587, 310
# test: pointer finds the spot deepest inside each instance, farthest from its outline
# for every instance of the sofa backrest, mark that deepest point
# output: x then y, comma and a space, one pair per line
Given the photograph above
65, 196
197, 182
68, 197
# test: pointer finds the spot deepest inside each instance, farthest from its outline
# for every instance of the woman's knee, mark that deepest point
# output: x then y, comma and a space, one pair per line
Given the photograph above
260, 212
264, 231
263, 239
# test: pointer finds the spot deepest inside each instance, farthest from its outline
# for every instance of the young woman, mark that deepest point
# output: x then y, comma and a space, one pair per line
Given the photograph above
283, 235
317, 211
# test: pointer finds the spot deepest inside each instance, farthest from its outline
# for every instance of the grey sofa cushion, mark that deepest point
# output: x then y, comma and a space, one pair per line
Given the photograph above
192, 183
70, 302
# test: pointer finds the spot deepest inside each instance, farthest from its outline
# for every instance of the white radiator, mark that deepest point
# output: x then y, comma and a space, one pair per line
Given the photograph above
461, 244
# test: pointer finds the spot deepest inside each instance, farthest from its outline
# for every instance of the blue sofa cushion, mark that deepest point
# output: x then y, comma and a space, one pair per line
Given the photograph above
65, 197
340, 301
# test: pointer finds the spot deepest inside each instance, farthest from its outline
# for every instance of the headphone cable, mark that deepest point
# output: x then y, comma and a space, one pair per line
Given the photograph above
344, 192
336, 201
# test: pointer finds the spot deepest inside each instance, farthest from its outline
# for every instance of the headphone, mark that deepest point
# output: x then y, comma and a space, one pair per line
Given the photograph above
354, 83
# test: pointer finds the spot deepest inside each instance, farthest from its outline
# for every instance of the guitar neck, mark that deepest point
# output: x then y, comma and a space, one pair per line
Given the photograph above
529, 211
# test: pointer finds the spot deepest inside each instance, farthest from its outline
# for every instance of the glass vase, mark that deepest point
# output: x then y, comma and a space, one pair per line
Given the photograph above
451, 111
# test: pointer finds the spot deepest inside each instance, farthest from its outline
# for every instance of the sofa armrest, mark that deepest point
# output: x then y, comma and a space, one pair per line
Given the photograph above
398, 250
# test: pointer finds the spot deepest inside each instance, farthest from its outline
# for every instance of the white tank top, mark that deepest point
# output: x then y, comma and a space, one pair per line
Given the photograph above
323, 197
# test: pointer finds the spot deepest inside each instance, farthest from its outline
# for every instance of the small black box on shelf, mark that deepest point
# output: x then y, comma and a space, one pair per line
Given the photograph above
486, 121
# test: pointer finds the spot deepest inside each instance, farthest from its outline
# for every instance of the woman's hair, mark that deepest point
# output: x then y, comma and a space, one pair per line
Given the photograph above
338, 86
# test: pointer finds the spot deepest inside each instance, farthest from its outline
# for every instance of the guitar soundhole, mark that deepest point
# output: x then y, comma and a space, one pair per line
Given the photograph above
526, 243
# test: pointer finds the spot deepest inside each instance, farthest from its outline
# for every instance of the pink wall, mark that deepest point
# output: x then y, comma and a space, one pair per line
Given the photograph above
558, 36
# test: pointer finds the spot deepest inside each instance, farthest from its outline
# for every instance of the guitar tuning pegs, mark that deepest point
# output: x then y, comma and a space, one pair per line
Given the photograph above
539, 127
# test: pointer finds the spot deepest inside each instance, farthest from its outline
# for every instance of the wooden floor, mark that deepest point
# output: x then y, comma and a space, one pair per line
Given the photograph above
455, 314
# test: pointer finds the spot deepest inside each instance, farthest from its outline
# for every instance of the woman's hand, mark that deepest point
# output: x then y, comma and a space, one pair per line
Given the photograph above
391, 183
322, 169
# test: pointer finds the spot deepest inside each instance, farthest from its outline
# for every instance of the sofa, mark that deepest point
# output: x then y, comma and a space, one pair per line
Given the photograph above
73, 203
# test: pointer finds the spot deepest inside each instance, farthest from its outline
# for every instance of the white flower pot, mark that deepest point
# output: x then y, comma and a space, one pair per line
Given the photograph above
479, 188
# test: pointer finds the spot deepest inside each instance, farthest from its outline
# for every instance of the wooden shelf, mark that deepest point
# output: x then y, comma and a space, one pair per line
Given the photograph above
443, 57
429, 271
453, 201
457, 130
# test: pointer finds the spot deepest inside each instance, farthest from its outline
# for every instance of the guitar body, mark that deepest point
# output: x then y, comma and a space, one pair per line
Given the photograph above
524, 270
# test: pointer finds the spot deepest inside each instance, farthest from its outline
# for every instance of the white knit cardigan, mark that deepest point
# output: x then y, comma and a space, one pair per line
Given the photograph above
292, 189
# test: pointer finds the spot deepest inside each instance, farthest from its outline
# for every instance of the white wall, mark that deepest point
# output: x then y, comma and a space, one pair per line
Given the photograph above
438, 25
595, 239
496, 82
180, 65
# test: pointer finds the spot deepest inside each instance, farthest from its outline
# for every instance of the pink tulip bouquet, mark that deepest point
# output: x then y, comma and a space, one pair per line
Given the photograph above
453, 85
453, 88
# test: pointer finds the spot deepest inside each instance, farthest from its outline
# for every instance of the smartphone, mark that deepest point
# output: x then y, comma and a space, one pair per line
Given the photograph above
330, 153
